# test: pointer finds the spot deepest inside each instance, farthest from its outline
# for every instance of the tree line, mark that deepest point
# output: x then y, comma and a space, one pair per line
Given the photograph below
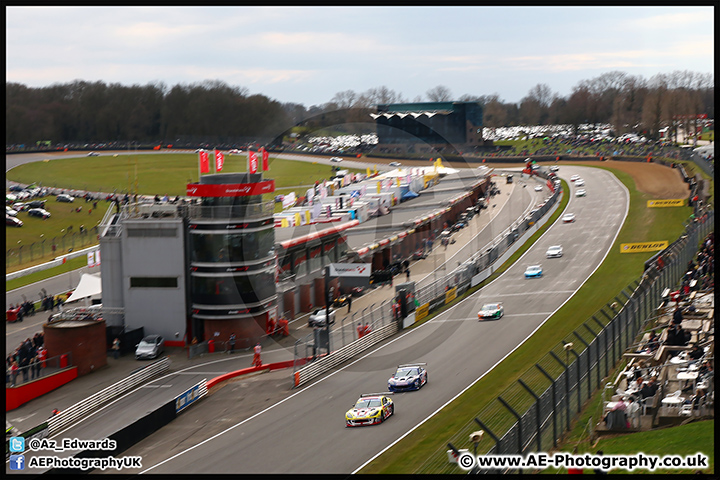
212, 111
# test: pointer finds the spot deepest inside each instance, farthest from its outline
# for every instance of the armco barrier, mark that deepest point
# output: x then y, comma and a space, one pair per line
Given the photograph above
75, 412
321, 366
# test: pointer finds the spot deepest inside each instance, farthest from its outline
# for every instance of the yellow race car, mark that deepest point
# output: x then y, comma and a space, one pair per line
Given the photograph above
370, 409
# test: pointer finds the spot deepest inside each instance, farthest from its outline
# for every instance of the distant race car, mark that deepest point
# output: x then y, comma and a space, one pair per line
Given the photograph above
411, 376
554, 168
554, 251
581, 193
579, 182
533, 271
395, 164
574, 177
336, 159
370, 409
538, 188
419, 254
340, 301
491, 310
93, 154
317, 319
568, 218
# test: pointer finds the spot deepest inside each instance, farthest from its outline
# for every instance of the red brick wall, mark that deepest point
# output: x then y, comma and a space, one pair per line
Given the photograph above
86, 342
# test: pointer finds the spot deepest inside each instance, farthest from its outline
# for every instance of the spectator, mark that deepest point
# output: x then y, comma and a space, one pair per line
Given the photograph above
14, 372
349, 300
116, 348
256, 357
360, 330
649, 389
677, 316
231, 341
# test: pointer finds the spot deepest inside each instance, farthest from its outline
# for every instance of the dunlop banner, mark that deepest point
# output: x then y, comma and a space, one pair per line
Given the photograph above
666, 203
450, 295
422, 311
643, 247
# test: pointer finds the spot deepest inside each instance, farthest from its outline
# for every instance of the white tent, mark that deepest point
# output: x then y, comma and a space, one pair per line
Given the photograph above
90, 286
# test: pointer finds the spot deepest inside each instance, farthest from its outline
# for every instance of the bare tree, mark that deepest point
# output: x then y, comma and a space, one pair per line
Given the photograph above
439, 94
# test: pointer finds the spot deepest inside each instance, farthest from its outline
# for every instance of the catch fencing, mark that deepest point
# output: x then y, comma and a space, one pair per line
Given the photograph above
538, 409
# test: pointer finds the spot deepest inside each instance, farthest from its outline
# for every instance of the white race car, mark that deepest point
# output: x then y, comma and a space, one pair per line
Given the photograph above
581, 193
491, 310
568, 218
579, 182
554, 251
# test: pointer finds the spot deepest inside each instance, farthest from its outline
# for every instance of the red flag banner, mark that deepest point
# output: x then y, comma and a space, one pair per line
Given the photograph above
219, 160
204, 162
265, 157
253, 166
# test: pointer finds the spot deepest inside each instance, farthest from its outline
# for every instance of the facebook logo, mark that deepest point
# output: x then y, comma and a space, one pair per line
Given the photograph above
17, 444
17, 462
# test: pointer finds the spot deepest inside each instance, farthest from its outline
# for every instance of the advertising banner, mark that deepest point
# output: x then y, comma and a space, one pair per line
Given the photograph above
450, 295
679, 202
643, 247
350, 269
422, 311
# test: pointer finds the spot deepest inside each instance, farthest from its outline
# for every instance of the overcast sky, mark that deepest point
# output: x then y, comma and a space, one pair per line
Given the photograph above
308, 54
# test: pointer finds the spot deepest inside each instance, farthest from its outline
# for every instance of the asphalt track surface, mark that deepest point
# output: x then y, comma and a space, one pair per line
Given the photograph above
305, 432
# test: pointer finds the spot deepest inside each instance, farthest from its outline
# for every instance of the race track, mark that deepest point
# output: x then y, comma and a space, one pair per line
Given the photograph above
305, 432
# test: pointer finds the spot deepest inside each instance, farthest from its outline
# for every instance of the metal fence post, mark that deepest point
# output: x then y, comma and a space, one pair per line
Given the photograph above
519, 423
489, 432
537, 414
587, 349
554, 402
567, 389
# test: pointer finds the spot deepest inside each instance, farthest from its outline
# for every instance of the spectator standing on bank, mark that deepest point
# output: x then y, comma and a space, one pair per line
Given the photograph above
231, 341
349, 300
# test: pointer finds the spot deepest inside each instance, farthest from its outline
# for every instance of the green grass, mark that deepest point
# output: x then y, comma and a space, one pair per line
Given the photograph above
156, 174
682, 440
617, 271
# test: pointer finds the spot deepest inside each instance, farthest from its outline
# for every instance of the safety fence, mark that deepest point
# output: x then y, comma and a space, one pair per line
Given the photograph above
434, 292
50, 248
36, 369
535, 411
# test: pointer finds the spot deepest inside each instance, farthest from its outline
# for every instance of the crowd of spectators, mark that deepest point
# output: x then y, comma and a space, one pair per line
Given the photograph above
27, 360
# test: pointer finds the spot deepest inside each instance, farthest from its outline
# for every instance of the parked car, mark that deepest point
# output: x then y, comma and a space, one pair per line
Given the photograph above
13, 221
64, 197
10, 211
150, 347
37, 204
39, 212
317, 318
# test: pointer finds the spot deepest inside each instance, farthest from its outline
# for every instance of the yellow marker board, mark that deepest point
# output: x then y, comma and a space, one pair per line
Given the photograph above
643, 247
666, 203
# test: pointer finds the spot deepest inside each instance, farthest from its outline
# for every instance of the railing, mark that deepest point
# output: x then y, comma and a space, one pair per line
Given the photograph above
537, 410
72, 414
50, 248
37, 370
